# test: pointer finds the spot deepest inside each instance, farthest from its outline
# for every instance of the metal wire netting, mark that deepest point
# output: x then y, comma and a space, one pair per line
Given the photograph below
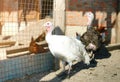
19, 22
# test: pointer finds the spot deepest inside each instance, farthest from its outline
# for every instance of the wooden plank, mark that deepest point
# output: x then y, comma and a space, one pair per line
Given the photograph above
22, 50
7, 43
17, 50
18, 54
113, 46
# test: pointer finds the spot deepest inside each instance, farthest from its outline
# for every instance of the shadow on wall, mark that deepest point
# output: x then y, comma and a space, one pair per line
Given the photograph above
58, 31
105, 23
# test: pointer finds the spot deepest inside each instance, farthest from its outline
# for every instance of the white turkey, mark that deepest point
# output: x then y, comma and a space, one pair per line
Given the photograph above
65, 48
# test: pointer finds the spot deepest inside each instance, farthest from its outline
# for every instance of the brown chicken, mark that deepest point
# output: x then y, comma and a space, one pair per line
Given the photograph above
41, 37
35, 48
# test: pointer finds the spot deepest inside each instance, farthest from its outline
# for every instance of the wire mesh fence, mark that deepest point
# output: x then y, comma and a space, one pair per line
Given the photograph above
20, 21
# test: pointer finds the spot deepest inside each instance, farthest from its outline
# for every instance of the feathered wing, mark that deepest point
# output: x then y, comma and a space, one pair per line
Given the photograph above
65, 47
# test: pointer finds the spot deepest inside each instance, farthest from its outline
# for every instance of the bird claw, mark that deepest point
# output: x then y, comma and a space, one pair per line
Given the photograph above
68, 76
63, 75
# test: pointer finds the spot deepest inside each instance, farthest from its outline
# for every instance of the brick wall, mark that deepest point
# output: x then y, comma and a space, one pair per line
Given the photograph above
75, 10
103, 10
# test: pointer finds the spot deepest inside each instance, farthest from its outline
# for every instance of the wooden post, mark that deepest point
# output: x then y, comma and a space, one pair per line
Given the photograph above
59, 15
3, 54
38, 9
118, 24
59, 22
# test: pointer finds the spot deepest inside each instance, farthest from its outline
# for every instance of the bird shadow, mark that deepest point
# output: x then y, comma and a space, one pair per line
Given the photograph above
75, 69
102, 53
99, 54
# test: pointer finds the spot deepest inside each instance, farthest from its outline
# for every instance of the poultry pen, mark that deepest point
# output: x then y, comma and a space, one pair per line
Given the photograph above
20, 21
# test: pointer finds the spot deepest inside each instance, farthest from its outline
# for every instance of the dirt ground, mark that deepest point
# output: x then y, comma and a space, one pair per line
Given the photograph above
105, 68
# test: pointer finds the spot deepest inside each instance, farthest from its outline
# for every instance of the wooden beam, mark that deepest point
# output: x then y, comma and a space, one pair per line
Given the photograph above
17, 49
59, 14
21, 50
7, 43
18, 54
118, 23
